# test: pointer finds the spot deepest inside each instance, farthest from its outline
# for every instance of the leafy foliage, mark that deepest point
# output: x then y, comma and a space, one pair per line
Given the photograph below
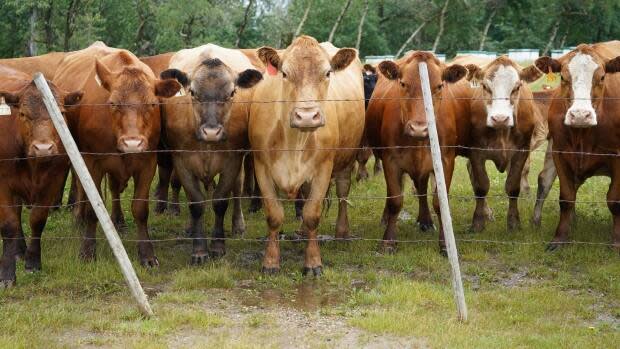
154, 26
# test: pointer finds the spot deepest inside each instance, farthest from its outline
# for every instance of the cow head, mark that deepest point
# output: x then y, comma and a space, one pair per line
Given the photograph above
370, 81
583, 73
36, 129
501, 82
134, 104
406, 73
305, 69
212, 87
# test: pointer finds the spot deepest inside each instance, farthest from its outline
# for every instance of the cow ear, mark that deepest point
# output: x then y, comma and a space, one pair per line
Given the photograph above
473, 72
166, 88
547, 64
269, 56
613, 66
370, 68
530, 74
73, 99
248, 78
10, 98
177, 75
343, 58
105, 76
390, 70
453, 73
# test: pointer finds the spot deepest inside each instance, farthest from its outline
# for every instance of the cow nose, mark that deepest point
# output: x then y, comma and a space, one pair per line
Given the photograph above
212, 134
43, 149
581, 118
416, 129
132, 144
500, 120
307, 118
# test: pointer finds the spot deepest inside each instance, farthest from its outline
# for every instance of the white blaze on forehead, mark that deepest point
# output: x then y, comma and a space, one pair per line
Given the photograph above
582, 68
501, 85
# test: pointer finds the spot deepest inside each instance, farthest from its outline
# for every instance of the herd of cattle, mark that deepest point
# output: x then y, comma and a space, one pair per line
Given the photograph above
291, 122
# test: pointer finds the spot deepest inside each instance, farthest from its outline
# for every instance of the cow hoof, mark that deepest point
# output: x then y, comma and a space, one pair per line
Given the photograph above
32, 266
476, 227
160, 208
217, 253
4, 284
270, 271
174, 210
199, 258
316, 271
149, 262
387, 248
552, 246
238, 231
443, 251
426, 226
88, 255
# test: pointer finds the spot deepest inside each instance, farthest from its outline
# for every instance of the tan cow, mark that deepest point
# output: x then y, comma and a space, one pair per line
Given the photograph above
210, 121
303, 132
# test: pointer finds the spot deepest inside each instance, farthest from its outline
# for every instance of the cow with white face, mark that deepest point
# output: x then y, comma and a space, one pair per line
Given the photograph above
503, 120
584, 120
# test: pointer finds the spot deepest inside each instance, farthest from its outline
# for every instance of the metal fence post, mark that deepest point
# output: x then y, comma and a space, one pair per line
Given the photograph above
93, 196
442, 192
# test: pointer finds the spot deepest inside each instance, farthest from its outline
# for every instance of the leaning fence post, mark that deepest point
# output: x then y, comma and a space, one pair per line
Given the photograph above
446, 218
93, 196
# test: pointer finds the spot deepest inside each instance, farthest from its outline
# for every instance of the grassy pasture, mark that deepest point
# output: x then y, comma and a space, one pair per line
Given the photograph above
518, 295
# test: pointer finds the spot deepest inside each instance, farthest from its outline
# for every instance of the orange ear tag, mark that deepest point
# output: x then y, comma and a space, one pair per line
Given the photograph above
551, 76
271, 70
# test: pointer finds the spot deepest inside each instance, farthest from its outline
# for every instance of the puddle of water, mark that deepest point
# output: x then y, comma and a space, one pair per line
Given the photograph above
306, 296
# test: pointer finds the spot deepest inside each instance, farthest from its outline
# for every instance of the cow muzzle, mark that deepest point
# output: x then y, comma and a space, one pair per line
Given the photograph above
416, 129
212, 134
132, 144
499, 121
42, 149
580, 118
307, 118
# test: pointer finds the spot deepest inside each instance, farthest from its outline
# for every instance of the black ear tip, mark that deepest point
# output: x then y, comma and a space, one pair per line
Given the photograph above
176, 74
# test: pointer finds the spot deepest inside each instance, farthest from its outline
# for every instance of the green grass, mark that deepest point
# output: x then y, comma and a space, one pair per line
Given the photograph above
518, 295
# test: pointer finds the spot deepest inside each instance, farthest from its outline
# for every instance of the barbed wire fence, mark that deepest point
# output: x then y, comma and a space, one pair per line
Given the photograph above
352, 198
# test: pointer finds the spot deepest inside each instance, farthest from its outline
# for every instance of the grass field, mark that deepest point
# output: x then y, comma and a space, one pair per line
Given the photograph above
518, 295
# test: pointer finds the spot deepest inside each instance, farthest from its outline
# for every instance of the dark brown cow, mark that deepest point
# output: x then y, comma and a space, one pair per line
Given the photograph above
210, 120
503, 120
28, 132
584, 119
120, 115
396, 118
165, 169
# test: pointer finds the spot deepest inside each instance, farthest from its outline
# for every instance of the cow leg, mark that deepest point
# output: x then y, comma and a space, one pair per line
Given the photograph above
394, 203
164, 171
425, 221
238, 222
175, 207
140, 211
513, 187
58, 202
300, 200
117, 211
377, 168
9, 228
480, 182
613, 203
312, 216
362, 159
343, 186
524, 182
38, 219
195, 196
568, 194
448, 170
545, 182
73, 191
488, 212
274, 212
229, 180
251, 188
87, 217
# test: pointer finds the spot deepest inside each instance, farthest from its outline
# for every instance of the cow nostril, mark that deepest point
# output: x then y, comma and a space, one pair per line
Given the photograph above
315, 117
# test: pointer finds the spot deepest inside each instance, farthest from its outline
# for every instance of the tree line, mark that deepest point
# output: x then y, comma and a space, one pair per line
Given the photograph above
375, 27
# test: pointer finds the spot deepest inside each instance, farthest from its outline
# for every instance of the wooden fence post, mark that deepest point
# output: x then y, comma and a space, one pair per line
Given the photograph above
93, 196
442, 192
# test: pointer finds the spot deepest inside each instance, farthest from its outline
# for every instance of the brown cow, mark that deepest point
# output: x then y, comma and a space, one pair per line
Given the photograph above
322, 136
120, 115
396, 118
584, 119
46, 64
212, 121
32, 167
503, 120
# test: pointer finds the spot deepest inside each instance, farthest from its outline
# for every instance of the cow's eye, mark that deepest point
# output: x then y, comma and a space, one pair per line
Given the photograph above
329, 72
191, 92
284, 75
402, 84
232, 94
